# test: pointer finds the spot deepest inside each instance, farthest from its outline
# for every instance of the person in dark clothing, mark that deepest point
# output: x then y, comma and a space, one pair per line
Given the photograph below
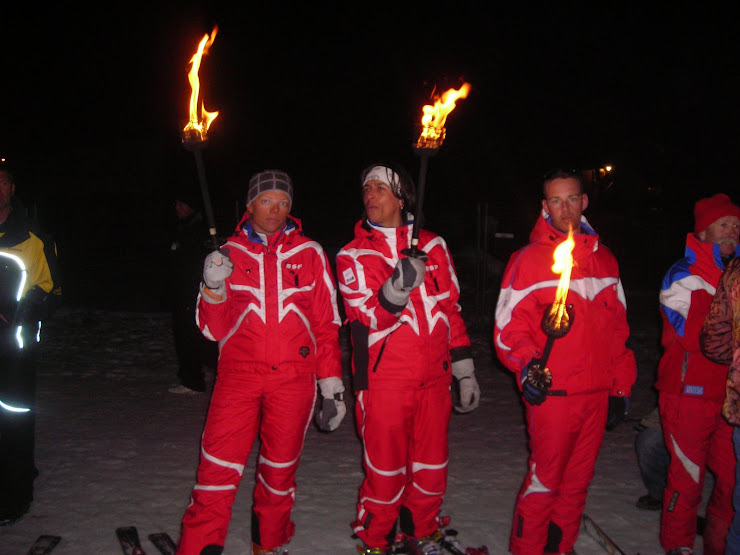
189, 248
29, 286
653, 459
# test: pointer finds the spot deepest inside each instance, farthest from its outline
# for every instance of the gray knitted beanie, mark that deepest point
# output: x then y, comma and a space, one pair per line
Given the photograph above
269, 180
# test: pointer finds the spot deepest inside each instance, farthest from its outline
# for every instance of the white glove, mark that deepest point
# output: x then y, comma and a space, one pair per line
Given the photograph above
216, 268
332, 409
407, 276
464, 373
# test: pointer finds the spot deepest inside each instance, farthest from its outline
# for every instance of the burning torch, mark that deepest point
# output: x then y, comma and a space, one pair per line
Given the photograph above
195, 133
558, 317
431, 138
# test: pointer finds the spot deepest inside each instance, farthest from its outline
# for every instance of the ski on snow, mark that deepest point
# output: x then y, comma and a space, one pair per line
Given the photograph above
593, 530
128, 536
164, 543
44, 544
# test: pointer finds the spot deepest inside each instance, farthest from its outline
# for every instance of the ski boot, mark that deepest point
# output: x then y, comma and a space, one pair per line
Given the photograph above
428, 545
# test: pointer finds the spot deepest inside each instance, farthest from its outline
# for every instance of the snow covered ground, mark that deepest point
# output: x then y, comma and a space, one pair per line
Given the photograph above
114, 448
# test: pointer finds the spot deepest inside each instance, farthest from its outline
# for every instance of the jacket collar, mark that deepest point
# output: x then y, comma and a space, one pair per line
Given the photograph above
705, 257
587, 241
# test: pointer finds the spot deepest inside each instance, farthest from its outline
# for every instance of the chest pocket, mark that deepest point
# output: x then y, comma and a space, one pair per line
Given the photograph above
433, 277
294, 276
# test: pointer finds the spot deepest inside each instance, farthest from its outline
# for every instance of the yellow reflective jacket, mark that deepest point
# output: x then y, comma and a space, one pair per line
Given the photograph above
20, 237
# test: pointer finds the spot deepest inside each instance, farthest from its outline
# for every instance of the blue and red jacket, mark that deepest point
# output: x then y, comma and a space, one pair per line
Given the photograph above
685, 297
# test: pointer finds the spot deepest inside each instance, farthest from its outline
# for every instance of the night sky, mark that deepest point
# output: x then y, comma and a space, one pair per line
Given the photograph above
93, 101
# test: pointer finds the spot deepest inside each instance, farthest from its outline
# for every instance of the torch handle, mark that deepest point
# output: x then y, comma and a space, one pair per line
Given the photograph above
546, 351
414, 249
210, 220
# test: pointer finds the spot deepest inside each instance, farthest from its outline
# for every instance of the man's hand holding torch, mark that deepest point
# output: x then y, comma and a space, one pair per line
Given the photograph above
536, 377
557, 320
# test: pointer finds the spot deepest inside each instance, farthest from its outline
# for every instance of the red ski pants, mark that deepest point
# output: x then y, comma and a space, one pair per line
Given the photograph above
565, 434
279, 408
404, 435
697, 437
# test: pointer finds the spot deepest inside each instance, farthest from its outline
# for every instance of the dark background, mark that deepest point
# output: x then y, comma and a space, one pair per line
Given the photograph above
93, 99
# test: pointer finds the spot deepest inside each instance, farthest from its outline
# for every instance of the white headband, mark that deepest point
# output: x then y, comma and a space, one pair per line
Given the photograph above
385, 175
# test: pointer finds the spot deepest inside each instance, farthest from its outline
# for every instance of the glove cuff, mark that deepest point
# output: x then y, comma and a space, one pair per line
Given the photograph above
330, 387
459, 353
213, 296
391, 299
463, 368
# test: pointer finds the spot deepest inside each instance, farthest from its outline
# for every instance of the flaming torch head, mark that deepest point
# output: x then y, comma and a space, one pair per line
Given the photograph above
434, 118
558, 317
195, 132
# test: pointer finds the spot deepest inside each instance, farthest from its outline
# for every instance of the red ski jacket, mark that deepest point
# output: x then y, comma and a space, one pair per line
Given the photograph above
592, 356
280, 313
417, 346
685, 297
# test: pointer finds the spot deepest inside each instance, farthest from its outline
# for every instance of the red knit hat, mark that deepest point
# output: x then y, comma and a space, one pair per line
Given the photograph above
709, 210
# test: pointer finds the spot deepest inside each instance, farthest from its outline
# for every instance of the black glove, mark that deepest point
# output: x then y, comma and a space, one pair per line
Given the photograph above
618, 409
535, 382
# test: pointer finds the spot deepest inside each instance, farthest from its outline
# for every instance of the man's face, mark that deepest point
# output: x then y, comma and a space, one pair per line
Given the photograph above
7, 189
382, 207
565, 203
269, 211
724, 232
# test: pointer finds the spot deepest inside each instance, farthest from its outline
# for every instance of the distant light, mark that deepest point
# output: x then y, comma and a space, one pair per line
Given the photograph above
608, 168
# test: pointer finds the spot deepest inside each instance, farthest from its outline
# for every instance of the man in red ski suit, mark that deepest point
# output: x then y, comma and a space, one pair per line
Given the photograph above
268, 297
592, 370
692, 387
409, 340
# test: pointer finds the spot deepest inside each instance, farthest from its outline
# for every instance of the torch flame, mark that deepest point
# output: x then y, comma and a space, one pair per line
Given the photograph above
198, 125
563, 264
434, 118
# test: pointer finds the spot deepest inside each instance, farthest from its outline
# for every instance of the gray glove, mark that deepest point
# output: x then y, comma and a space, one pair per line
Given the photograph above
407, 276
216, 268
464, 372
332, 408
